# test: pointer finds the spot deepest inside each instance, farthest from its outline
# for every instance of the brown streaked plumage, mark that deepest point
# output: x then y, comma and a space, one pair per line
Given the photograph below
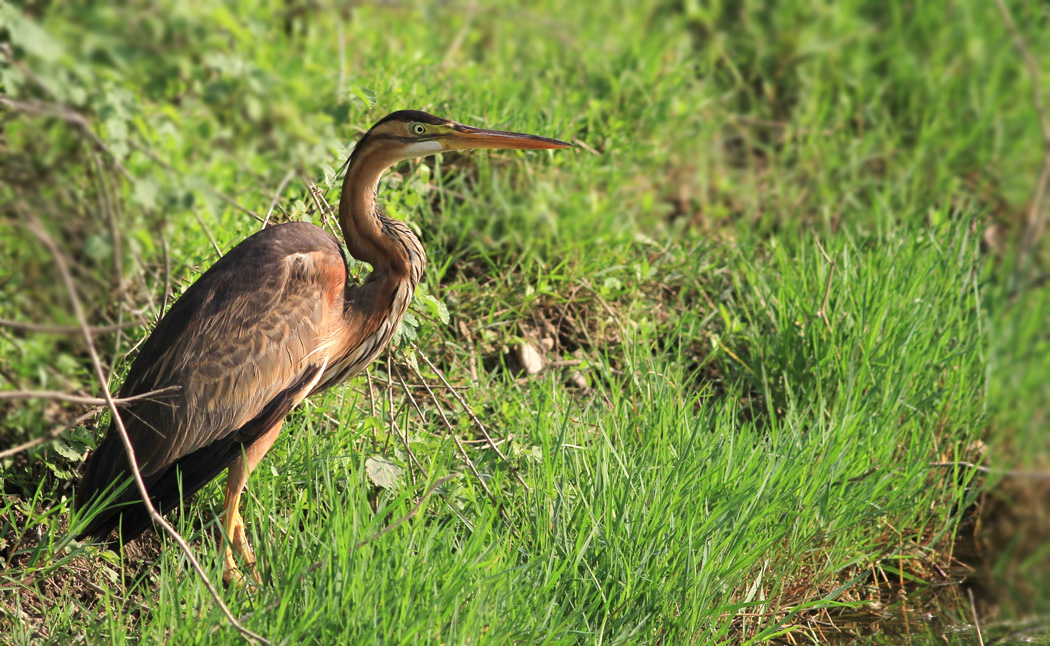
273, 321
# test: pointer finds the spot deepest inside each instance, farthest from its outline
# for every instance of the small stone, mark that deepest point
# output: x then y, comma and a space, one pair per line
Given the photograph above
530, 359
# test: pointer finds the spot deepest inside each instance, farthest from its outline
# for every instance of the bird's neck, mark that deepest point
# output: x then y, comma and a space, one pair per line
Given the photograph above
387, 244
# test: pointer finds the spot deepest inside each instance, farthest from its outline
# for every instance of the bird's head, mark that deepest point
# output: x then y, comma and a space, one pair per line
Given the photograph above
408, 134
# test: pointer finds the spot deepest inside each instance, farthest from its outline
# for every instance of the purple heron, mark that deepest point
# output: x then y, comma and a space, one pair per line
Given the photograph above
273, 321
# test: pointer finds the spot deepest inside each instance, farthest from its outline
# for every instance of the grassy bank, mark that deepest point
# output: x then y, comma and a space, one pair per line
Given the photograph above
776, 288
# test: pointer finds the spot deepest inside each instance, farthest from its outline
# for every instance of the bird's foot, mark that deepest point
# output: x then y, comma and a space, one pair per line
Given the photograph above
238, 546
233, 576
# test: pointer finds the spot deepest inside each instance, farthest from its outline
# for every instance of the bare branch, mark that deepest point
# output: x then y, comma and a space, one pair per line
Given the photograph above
277, 196
372, 402
976, 621
1036, 213
77, 399
823, 311
1006, 473
67, 329
69, 116
415, 509
474, 418
96, 362
462, 451
232, 202
322, 205
167, 272
219, 194
50, 435
207, 232
459, 398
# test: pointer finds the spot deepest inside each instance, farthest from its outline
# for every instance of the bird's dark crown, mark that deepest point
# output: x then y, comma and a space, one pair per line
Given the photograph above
412, 116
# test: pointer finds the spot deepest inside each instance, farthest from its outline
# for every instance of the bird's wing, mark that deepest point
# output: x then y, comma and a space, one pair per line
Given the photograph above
243, 334
243, 345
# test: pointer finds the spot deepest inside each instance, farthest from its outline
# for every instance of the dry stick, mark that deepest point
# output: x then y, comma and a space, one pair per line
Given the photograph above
67, 279
459, 445
372, 404
389, 393
452, 432
232, 202
217, 193
142, 276
1007, 473
459, 398
67, 329
77, 399
412, 512
207, 232
823, 311
1036, 214
341, 39
583, 145
423, 386
395, 429
277, 196
106, 203
50, 435
411, 456
69, 116
412, 400
322, 205
167, 271
976, 621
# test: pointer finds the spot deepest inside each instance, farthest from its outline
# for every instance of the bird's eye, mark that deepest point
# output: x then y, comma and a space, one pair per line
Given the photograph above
419, 129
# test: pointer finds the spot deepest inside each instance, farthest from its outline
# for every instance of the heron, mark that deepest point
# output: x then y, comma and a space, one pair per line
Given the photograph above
275, 320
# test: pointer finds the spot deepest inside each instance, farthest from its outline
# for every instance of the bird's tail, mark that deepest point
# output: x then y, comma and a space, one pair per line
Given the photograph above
108, 484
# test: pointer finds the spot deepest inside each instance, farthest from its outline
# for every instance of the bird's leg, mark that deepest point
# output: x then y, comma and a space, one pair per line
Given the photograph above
232, 521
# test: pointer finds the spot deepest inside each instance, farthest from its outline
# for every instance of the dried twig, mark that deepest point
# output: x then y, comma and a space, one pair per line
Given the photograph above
50, 435
459, 398
232, 202
323, 207
823, 311
1006, 473
459, 444
207, 232
415, 509
1036, 213
106, 206
67, 329
103, 378
976, 621
277, 196
372, 404
75, 119
167, 272
395, 429
77, 399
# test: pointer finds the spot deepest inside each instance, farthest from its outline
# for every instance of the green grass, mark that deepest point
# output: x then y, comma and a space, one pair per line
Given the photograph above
752, 443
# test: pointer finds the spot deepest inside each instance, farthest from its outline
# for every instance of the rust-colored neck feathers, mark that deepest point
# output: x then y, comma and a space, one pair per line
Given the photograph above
386, 244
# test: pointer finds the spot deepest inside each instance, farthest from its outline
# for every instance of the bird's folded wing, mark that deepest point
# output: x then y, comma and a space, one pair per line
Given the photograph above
231, 347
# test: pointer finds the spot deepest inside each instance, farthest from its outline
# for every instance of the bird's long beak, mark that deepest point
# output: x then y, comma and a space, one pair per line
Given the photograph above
462, 137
